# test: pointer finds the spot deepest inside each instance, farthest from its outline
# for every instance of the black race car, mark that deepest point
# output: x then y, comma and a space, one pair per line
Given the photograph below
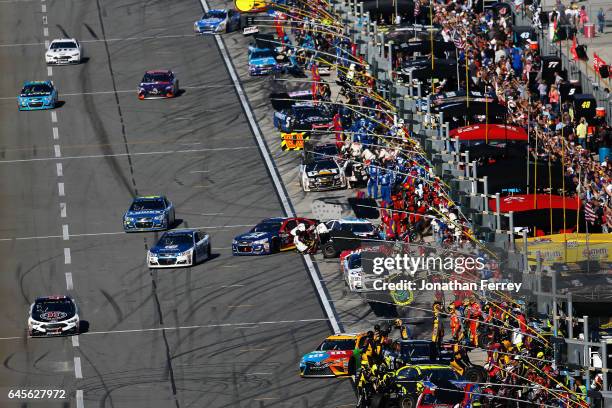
304, 117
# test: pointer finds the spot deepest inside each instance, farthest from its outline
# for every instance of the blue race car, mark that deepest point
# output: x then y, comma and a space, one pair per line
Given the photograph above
217, 21
269, 236
149, 213
262, 61
179, 248
304, 116
37, 95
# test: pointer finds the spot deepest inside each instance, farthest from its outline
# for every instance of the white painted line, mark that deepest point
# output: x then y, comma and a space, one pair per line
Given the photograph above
58, 152
65, 233
152, 37
63, 210
45, 22
100, 156
69, 283
60, 169
55, 133
329, 311
75, 341
79, 399
45, 31
44, 8
134, 92
211, 213
47, 43
49, 71
67, 257
232, 286
54, 117
78, 373
60, 189
96, 234
200, 171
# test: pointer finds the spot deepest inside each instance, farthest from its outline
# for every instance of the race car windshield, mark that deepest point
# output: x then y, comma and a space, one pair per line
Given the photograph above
38, 89
354, 262
215, 14
413, 351
438, 376
53, 309
147, 205
63, 44
325, 151
322, 165
267, 227
263, 54
159, 77
348, 344
176, 239
358, 227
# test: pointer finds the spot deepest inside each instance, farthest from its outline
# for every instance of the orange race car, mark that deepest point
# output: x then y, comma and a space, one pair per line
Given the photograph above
333, 357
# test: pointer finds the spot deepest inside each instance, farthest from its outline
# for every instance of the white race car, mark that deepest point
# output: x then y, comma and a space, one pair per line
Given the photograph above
53, 316
322, 175
64, 51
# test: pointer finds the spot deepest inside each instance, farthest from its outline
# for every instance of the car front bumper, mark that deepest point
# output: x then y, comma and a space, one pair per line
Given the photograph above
35, 105
144, 226
169, 261
53, 329
247, 249
63, 60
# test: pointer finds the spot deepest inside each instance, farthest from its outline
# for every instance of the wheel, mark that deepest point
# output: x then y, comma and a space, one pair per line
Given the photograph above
408, 402
378, 401
194, 260
177, 89
275, 246
208, 251
475, 374
329, 251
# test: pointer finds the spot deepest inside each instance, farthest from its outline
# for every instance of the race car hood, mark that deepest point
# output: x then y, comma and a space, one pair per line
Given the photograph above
170, 249
144, 213
210, 22
262, 61
160, 86
52, 316
63, 51
321, 356
254, 236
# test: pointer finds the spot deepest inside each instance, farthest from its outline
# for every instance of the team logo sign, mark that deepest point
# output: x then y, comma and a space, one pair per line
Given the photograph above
293, 140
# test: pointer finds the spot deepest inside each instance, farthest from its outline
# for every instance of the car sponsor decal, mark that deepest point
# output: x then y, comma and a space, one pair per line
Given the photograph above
171, 247
53, 315
293, 140
255, 235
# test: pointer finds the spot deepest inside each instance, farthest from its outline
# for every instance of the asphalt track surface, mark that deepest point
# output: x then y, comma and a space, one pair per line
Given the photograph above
226, 333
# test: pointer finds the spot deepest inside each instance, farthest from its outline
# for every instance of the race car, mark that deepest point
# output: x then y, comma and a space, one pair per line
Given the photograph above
333, 357
304, 117
217, 21
347, 234
53, 316
322, 175
262, 61
37, 95
352, 270
269, 236
149, 213
414, 379
359, 226
64, 51
158, 84
179, 248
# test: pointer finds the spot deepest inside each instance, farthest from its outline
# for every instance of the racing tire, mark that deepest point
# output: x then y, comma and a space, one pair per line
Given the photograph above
275, 247
408, 402
484, 341
475, 374
329, 251
352, 370
378, 401
208, 251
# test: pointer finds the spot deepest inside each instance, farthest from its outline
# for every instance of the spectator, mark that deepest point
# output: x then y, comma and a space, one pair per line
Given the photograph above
601, 20
581, 132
